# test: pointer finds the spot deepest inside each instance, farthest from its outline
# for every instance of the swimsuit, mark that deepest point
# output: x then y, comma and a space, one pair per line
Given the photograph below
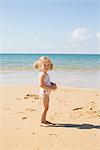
46, 82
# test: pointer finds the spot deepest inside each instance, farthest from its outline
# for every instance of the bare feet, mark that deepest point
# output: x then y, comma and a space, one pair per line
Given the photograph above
43, 124
48, 122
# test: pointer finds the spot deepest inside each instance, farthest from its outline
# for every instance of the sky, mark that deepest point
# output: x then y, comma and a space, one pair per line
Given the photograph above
50, 26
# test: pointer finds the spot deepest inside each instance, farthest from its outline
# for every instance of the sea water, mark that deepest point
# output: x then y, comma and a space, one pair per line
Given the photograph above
70, 70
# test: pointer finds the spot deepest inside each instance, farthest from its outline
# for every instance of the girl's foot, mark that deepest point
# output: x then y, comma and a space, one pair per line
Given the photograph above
43, 124
50, 123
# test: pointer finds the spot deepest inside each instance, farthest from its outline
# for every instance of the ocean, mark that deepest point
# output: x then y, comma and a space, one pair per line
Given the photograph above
70, 70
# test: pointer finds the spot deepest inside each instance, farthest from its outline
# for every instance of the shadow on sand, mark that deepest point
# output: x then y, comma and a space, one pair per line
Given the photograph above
78, 126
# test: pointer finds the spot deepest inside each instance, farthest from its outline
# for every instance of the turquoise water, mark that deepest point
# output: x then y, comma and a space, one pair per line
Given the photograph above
74, 70
67, 62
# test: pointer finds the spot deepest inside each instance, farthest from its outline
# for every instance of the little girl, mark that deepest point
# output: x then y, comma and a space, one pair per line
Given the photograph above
44, 64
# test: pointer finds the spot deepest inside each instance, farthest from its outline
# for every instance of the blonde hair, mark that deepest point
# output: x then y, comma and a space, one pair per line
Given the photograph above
38, 63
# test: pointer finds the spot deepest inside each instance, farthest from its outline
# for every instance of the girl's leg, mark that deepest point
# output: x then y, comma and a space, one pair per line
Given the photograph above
45, 99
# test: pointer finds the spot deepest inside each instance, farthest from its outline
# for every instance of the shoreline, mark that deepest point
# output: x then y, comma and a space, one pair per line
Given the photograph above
69, 79
61, 87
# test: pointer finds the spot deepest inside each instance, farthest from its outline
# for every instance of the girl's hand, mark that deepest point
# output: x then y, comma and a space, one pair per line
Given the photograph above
53, 86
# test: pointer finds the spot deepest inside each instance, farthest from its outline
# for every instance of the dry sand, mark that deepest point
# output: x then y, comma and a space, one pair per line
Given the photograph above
76, 113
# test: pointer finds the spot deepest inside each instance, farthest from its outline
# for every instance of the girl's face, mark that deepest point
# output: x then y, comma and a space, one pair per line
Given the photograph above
45, 66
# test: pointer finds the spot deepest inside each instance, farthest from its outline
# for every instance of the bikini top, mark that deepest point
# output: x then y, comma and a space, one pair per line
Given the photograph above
47, 79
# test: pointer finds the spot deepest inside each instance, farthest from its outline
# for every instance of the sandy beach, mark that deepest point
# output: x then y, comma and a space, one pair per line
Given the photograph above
75, 112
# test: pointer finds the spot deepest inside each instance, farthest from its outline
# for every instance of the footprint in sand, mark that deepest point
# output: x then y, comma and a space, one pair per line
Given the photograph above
30, 109
52, 134
24, 117
78, 108
18, 98
33, 133
35, 96
25, 97
88, 111
98, 114
77, 112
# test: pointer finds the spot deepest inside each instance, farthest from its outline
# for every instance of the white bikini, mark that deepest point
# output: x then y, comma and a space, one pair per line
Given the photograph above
46, 82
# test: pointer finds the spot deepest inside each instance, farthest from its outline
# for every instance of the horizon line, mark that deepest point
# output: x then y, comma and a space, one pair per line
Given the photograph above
53, 53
